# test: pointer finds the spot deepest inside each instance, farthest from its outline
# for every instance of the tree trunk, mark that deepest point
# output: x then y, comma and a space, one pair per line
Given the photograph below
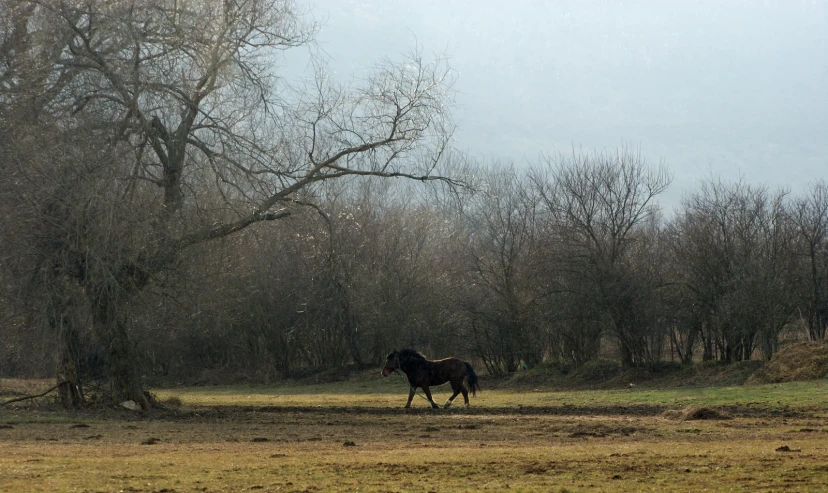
626, 344
707, 342
70, 390
111, 330
685, 348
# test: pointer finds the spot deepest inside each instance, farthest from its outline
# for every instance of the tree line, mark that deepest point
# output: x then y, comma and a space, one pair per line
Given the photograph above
173, 208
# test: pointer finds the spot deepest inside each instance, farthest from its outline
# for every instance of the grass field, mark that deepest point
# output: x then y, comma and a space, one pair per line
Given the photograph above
355, 436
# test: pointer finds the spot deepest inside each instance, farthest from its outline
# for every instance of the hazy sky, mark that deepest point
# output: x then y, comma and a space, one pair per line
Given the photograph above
736, 88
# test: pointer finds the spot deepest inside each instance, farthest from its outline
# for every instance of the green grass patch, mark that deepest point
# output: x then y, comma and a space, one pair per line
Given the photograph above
393, 391
795, 394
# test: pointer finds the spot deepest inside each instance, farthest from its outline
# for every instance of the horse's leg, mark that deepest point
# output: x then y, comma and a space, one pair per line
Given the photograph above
428, 394
456, 390
465, 394
451, 399
410, 397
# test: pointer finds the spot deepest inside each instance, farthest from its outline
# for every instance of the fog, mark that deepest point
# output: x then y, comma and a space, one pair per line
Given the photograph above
737, 89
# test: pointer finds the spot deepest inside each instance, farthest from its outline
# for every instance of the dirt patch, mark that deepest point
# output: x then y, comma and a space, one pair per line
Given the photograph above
785, 448
695, 414
801, 361
600, 431
564, 410
704, 413
346, 413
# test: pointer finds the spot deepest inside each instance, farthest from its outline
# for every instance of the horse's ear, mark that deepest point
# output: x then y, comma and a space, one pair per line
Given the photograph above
392, 354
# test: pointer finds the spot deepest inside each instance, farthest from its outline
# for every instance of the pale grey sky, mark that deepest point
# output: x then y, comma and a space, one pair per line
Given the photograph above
736, 88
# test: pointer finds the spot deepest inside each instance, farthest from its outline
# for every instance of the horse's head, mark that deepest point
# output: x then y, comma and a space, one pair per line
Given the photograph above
392, 363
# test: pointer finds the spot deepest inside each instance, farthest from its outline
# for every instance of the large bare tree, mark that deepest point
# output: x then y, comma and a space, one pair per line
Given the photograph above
194, 134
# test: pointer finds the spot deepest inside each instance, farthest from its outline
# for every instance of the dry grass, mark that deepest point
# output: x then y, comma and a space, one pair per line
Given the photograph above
694, 414
172, 401
15, 387
801, 361
371, 444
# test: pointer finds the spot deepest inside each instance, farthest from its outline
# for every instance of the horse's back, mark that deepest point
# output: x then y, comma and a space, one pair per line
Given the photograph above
447, 370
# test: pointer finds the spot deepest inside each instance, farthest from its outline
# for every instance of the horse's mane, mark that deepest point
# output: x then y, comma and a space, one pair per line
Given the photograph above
410, 354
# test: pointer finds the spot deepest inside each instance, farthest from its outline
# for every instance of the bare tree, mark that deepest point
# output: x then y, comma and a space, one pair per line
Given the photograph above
688, 316
198, 139
594, 203
498, 297
387, 262
737, 255
810, 214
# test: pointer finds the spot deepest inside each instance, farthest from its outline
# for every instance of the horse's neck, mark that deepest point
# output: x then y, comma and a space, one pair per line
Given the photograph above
412, 364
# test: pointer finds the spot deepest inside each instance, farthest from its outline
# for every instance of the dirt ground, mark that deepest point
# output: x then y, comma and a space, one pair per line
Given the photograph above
521, 448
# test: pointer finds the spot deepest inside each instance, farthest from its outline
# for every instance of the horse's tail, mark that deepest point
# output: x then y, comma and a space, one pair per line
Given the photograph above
471, 379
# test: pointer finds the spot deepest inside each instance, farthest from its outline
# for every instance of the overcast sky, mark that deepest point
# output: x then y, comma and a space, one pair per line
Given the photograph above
734, 88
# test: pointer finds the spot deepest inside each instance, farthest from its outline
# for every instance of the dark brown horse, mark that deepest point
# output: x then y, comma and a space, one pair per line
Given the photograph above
426, 373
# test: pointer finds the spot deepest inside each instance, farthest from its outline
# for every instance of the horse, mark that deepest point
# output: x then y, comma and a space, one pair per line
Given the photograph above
426, 373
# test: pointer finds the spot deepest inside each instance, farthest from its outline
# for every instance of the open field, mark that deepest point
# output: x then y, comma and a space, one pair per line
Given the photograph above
354, 435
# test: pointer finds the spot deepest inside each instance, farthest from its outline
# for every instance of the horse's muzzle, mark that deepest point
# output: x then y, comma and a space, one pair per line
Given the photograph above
387, 371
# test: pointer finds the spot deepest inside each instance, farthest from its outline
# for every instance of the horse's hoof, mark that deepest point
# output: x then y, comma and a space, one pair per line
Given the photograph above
435, 406
446, 406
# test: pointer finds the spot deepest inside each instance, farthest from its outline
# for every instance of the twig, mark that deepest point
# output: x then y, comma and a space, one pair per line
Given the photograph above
18, 399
